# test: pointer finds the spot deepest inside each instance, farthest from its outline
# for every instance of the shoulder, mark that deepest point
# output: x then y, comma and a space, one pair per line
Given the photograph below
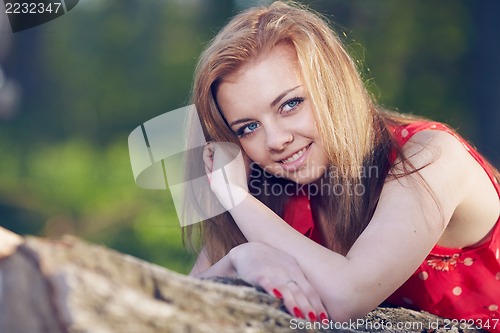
438, 143
460, 183
439, 153
441, 161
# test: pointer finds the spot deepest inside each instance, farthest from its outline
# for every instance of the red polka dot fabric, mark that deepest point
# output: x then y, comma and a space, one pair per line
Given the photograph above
461, 284
456, 283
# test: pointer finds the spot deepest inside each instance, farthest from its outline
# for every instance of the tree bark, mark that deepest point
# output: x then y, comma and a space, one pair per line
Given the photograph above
49, 286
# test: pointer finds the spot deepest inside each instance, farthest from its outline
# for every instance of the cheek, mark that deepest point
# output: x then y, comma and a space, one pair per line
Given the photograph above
312, 127
251, 151
307, 124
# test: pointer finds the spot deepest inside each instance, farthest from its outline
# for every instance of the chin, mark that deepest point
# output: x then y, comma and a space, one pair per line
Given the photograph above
303, 180
307, 175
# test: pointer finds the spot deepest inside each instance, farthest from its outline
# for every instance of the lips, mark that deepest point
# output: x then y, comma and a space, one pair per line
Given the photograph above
295, 160
295, 156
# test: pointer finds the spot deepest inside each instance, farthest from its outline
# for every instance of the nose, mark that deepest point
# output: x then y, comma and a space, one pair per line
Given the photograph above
277, 137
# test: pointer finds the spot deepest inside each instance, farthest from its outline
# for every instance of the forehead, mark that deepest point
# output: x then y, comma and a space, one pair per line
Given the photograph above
260, 81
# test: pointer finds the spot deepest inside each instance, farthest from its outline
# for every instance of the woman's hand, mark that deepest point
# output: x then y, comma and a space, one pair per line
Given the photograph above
279, 275
227, 168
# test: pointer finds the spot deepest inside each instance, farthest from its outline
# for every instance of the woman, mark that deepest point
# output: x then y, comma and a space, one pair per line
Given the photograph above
345, 205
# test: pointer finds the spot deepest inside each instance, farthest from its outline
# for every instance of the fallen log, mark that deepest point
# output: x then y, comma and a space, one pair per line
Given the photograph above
70, 286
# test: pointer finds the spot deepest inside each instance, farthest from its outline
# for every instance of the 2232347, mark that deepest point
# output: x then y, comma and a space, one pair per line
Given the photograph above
32, 7
26, 14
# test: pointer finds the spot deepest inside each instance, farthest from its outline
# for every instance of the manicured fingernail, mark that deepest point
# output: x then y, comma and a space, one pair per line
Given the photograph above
312, 316
277, 293
298, 313
323, 316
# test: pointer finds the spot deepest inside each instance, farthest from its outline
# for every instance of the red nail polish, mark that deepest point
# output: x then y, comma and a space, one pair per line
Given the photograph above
298, 313
312, 316
277, 293
323, 316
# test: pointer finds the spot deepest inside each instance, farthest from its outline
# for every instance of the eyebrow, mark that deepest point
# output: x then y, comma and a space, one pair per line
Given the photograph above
239, 121
283, 94
273, 104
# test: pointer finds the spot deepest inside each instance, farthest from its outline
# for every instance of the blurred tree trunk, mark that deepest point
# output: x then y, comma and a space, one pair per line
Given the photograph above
70, 286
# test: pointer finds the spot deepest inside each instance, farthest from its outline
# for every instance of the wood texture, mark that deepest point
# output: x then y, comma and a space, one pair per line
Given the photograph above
64, 286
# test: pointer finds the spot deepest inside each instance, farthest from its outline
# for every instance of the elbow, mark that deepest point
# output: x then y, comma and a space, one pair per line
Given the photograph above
347, 315
342, 313
347, 305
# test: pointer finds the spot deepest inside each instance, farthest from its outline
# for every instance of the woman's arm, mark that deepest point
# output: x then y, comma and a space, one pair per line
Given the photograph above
203, 268
407, 223
276, 272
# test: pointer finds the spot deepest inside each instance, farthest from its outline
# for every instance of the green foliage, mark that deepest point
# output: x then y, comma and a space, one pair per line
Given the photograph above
412, 53
72, 187
105, 69
93, 75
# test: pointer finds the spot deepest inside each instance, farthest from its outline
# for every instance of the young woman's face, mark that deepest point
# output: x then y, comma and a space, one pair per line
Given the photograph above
266, 104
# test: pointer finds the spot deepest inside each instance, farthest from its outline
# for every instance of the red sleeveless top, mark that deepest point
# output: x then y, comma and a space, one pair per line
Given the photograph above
461, 284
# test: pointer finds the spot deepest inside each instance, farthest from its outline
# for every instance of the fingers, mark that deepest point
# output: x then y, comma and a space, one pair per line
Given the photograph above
228, 158
208, 158
216, 152
279, 275
308, 300
299, 298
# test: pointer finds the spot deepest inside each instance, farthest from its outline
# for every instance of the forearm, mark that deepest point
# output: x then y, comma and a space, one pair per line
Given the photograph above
224, 268
346, 288
260, 224
326, 270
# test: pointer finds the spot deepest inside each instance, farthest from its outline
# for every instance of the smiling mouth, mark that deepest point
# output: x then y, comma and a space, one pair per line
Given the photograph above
295, 156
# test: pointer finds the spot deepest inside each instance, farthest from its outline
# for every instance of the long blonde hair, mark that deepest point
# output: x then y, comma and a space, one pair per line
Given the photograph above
353, 131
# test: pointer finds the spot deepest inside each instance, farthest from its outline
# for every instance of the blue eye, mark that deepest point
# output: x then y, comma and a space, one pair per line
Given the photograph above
252, 126
247, 129
291, 104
